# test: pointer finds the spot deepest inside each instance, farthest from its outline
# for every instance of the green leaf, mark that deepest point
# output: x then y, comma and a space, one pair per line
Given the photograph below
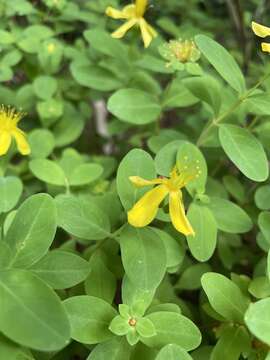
232, 342
67, 130
106, 44
94, 77
49, 111
229, 217
41, 142
145, 328
177, 96
61, 269
165, 136
6, 37
134, 106
222, 61
132, 294
48, 171
268, 265
85, 173
260, 287
132, 337
173, 328
245, 151
115, 349
89, 318
257, 319
175, 253
264, 224
262, 197
190, 279
165, 159
11, 189
101, 282
32, 36
235, 187
45, 87
225, 296
202, 245
82, 218
189, 155
30, 307
173, 352
32, 231
136, 162
119, 326
207, 89
143, 256
11, 351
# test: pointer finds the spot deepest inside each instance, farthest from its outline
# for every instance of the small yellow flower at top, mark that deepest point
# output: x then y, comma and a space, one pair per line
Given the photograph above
262, 31
145, 210
9, 119
134, 14
51, 48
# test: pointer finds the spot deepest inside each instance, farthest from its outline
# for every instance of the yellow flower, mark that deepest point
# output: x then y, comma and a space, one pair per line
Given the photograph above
134, 15
51, 48
145, 210
262, 31
9, 119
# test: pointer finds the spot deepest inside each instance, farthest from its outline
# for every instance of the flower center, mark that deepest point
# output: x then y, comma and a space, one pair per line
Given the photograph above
132, 322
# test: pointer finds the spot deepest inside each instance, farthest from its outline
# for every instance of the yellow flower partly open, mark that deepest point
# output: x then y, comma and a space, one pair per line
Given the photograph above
145, 210
134, 15
262, 31
9, 119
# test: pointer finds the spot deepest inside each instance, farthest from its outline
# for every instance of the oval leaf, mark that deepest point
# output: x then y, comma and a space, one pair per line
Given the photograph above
32, 314
143, 256
203, 244
61, 269
173, 328
245, 151
82, 218
32, 231
257, 319
222, 61
225, 296
134, 106
89, 318
136, 162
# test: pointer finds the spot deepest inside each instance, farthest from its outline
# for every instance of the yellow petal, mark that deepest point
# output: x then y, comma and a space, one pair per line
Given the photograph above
145, 210
177, 213
22, 144
5, 140
266, 47
128, 11
140, 182
260, 30
114, 13
147, 32
120, 32
141, 7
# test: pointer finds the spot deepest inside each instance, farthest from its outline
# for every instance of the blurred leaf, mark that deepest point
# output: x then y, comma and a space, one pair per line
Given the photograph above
222, 61
134, 106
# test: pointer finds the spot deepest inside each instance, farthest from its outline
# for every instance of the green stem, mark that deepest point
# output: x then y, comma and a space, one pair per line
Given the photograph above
216, 121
